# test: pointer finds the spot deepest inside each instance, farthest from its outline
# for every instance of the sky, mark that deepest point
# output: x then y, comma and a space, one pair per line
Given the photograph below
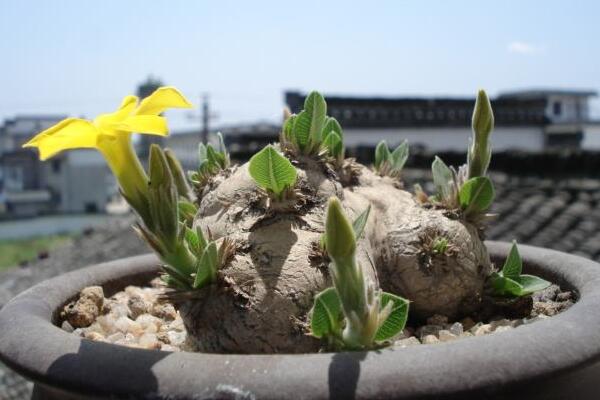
81, 57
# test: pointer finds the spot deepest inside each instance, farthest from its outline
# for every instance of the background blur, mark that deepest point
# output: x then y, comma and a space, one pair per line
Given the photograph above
390, 70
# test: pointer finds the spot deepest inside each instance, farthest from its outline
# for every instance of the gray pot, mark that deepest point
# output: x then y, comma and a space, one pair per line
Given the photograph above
557, 358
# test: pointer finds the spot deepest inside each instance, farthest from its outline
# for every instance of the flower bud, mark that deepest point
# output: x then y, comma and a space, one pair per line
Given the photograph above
480, 152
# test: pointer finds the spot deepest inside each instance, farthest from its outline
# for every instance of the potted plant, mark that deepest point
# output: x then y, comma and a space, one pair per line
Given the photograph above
296, 273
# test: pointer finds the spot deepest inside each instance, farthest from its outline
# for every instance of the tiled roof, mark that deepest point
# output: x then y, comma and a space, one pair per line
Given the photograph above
558, 214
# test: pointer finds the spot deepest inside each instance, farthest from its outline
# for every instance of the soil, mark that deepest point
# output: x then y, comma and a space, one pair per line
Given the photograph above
138, 317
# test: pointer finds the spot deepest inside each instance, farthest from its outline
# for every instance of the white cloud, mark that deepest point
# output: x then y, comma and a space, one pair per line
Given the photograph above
523, 48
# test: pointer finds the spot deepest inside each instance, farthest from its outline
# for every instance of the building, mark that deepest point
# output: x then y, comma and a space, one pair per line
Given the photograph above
71, 182
529, 120
241, 141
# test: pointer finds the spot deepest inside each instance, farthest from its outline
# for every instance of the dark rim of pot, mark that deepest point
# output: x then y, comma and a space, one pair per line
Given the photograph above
34, 347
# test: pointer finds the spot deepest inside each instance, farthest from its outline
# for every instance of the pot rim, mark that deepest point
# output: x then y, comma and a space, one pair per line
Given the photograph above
43, 352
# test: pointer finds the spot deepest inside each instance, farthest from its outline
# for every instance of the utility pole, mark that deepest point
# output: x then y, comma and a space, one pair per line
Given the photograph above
205, 118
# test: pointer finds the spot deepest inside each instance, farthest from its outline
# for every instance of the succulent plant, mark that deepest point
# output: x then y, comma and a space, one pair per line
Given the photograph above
246, 279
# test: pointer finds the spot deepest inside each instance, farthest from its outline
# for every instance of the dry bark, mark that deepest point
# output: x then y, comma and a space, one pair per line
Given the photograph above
261, 302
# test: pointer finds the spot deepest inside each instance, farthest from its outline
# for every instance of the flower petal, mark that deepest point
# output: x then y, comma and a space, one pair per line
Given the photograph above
161, 99
70, 133
148, 124
128, 104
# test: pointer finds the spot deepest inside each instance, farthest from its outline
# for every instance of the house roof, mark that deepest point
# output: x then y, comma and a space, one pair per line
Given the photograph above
544, 93
388, 112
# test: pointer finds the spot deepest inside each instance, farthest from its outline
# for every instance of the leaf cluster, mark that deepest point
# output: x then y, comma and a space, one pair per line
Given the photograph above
390, 163
190, 260
354, 313
312, 132
210, 162
472, 196
510, 282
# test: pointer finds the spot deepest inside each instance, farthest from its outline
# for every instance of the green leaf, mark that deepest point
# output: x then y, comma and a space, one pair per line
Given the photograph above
326, 314
442, 178
332, 125
531, 283
396, 320
187, 211
333, 143
207, 266
476, 195
221, 149
399, 156
360, 222
193, 243
272, 171
382, 154
301, 130
316, 108
212, 156
288, 126
201, 239
504, 286
513, 265
202, 155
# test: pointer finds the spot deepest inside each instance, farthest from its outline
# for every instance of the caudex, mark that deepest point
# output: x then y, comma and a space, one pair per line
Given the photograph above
302, 248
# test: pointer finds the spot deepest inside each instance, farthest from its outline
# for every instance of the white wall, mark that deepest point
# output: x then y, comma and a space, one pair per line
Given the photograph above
591, 137
574, 108
448, 139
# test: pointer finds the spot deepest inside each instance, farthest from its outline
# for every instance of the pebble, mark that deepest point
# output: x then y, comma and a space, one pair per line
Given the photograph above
430, 339
481, 330
133, 317
446, 336
410, 341
456, 329
427, 330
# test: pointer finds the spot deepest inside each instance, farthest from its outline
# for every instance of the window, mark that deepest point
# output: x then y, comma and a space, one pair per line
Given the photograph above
56, 166
557, 108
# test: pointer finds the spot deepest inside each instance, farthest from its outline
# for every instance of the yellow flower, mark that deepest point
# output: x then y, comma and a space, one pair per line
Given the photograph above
111, 135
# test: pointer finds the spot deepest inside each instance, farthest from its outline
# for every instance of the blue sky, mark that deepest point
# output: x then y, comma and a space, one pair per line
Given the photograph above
81, 57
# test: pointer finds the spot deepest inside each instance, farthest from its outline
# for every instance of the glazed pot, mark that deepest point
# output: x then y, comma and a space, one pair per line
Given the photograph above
556, 358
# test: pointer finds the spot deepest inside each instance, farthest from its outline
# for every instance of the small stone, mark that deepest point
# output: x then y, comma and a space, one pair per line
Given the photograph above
564, 296
107, 322
164, 311
137, 306
117, 309
409, 341
503, 328
482, 330
93, 293
167, 347
163, 337
446, 336
500, 323
466, 335
93, 336
437, 319
149, 341
66, 326
123, 324
456, 329
115, 337
548, 294
81, 313
177, 338
149, 323
430, 339
426, 330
